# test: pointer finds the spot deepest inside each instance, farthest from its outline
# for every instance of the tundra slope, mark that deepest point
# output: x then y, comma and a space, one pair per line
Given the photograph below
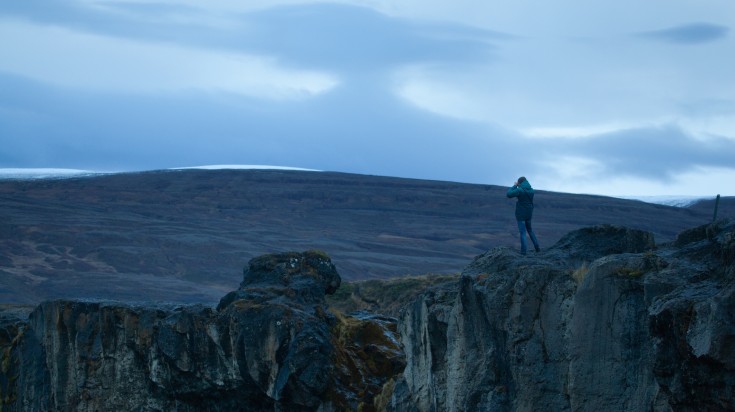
184, 235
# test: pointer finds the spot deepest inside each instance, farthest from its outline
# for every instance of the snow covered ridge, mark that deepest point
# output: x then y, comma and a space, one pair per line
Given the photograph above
53, 173
259, 167
45, 173
677, 201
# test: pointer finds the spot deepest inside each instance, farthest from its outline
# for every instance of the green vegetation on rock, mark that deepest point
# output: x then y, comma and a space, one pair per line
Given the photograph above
384, 296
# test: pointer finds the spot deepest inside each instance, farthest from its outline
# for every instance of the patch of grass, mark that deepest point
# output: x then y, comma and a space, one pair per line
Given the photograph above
367, 357
7, 351
8, 365
381, 400
317, 252
6, 360
580, 273
343, 293
630, 272
386, 296
244, 304
653, 262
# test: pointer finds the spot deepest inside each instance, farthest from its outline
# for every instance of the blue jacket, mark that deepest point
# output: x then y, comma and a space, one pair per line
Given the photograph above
524, 206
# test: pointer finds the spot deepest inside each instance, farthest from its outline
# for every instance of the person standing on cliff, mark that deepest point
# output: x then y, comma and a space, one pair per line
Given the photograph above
524, 211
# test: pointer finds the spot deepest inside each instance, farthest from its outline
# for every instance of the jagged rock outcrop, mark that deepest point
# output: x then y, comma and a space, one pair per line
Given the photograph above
270, 345
603, 321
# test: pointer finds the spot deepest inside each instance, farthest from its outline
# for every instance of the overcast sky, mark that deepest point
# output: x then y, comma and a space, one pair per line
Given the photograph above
615, 97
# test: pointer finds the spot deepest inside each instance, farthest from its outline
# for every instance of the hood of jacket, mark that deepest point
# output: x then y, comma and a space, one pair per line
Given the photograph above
526, 186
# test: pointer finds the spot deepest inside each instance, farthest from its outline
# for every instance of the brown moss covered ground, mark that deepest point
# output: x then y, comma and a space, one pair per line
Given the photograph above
386, 297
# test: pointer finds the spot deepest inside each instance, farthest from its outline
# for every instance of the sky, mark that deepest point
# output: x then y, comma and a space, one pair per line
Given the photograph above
619, 98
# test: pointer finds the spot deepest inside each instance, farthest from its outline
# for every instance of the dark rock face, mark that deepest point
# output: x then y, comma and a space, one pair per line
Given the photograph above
604, 321
301, 278
590, 243
271, 345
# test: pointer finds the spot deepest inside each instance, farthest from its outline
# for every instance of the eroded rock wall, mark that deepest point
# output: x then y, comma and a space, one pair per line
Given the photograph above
603, 321
270, 345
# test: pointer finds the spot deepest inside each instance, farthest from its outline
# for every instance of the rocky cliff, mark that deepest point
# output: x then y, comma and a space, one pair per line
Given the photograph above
604, 320
270, 345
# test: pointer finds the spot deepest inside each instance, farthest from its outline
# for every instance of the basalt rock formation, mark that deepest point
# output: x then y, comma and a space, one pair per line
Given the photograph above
270, 345
604, 321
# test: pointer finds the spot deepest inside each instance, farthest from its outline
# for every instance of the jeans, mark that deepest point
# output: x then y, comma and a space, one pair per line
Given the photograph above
523, 227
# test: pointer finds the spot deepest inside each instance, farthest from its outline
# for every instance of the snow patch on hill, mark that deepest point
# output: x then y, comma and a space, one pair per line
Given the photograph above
261, 167
45, 173
57, 173
676, 201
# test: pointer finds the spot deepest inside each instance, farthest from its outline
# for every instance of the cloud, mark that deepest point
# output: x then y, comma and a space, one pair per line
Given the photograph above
143, 102
360, 39
573, 131
346, 36
656, 153
89, 62
701, 181
121, 17
709, 107
311, 44
695, 33
424, 89
349, 129
660, 160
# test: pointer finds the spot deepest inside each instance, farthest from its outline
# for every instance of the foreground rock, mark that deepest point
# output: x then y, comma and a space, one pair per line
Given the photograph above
605, 320
602, 321
271, 345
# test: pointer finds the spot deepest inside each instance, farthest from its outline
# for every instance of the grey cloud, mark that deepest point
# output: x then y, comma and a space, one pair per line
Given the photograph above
653, 153
361, 126
39, 10
137, 21
708, 107
351, 129
694, 33
319, 35
360, 39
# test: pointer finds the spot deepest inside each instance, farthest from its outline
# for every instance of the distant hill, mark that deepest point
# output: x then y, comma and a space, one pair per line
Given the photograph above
186, 235
725, 209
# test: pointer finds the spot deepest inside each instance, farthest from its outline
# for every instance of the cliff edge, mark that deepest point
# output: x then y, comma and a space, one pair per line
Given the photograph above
270, 345
605, 320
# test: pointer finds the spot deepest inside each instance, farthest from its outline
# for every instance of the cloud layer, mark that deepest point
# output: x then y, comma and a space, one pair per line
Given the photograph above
694, 33
474, 92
